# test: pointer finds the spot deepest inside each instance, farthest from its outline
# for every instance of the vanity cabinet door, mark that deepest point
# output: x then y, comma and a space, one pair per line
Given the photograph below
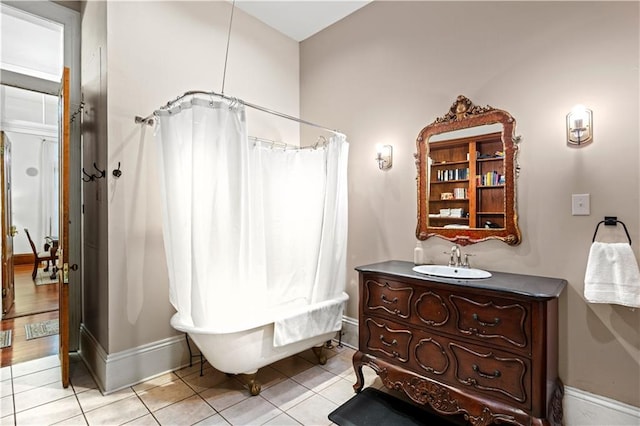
386, 297
502, 322
386, 339
493, 372
431, 309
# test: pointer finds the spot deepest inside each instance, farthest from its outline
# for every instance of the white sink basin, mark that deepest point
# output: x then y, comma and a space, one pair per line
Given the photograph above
452, 272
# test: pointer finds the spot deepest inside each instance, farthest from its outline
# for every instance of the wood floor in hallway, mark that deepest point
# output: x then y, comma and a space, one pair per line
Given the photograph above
33, 303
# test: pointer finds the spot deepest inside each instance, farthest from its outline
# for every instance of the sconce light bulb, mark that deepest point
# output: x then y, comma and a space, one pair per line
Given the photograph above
579, 125
384, 156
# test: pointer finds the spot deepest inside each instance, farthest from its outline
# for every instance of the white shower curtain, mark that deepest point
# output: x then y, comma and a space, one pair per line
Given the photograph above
247, 228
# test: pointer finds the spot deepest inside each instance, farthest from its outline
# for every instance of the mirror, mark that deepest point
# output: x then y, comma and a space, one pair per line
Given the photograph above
466, 165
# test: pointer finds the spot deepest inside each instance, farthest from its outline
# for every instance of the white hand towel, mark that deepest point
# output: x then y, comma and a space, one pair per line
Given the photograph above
612, 275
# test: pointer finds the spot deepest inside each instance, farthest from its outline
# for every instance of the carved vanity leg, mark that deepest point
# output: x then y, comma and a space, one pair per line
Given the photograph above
251, 382
556, 413
322, 358
357, 368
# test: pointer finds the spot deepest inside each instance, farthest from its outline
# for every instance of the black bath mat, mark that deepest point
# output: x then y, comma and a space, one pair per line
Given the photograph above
374, 407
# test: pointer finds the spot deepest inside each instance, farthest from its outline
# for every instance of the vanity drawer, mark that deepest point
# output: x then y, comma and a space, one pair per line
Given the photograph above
491, 372
387, 297
386, 339
502, 322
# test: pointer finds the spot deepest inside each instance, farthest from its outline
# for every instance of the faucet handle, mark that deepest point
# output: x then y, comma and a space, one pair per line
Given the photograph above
452, 261
466, 264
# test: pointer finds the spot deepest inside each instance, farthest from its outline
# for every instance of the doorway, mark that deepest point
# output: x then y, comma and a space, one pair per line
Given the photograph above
29, 121
33, 68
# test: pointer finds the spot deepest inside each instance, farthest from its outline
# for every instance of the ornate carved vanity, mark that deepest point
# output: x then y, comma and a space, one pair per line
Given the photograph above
486, 349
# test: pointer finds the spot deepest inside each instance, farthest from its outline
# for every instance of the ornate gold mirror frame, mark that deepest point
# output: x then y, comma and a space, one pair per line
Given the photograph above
466, 176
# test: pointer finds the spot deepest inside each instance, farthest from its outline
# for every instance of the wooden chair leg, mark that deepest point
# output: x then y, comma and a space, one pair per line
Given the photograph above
35, 269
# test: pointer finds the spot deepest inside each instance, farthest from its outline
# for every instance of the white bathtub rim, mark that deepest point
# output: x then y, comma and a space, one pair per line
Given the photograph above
258, 319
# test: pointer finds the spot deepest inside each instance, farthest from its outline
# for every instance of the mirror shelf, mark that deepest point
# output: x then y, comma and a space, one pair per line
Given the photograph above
466, 176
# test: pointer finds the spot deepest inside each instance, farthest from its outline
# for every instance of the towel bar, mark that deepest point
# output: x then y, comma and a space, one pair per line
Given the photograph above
611, 221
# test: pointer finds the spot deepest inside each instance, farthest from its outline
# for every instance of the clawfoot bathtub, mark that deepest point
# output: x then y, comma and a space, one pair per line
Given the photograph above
245, 348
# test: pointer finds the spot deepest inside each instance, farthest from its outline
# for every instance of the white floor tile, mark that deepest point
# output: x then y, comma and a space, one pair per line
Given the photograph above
80, 378
6, 388
307, 392
187, 411
52, 412
286, 394
215, 420
292, 365
210, 378
252, 411
269, 376
340, 365
73, 421
146, 420
35, 380
315, 378
6, 405
225, 394
92, 399
282, 420
39, 396
118, 412
156, 381
7, 420
313, 411
166, 394
35, 365
339, 392
5, 373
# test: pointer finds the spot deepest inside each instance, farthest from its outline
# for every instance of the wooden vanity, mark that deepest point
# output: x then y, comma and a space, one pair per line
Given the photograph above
486, 349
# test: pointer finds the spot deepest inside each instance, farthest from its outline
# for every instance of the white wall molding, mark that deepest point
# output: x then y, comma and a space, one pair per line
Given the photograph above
30, 128
584, 408
119, 370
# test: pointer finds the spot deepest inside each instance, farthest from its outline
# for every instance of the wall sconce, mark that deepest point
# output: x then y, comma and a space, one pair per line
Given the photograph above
579, 126
384, 157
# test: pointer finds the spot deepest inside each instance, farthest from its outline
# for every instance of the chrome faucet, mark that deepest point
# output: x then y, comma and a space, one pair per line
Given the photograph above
455, 258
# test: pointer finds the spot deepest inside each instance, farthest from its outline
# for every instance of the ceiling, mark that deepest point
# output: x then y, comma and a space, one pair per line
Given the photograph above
299, 19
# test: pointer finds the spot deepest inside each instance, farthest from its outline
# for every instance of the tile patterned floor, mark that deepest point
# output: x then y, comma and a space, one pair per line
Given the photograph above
295, 391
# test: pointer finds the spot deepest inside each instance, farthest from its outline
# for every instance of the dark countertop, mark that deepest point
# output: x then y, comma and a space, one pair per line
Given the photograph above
525, 285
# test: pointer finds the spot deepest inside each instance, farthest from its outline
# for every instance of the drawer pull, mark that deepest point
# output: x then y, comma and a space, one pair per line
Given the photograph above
394, 342
495, 374
495, 322
387, 301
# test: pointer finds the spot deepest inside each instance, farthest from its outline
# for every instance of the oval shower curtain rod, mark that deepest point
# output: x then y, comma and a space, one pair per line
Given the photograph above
149, 119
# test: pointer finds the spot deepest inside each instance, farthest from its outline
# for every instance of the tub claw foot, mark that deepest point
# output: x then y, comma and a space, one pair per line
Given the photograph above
322, 358
252, 384
255, 388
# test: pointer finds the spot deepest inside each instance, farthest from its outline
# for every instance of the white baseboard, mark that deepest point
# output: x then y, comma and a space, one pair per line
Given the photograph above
583, 408
349, 332
119, 370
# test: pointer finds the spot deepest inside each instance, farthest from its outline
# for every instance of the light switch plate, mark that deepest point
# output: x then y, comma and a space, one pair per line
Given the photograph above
580, 205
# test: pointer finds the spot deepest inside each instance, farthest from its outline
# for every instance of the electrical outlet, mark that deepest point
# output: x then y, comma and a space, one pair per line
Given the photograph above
580, 205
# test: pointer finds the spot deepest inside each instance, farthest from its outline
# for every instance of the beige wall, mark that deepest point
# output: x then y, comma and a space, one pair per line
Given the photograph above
155, 52
383, 73
94, 148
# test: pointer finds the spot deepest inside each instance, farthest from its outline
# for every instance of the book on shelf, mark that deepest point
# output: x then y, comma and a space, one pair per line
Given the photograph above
460, 193
492, 178
444, 175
